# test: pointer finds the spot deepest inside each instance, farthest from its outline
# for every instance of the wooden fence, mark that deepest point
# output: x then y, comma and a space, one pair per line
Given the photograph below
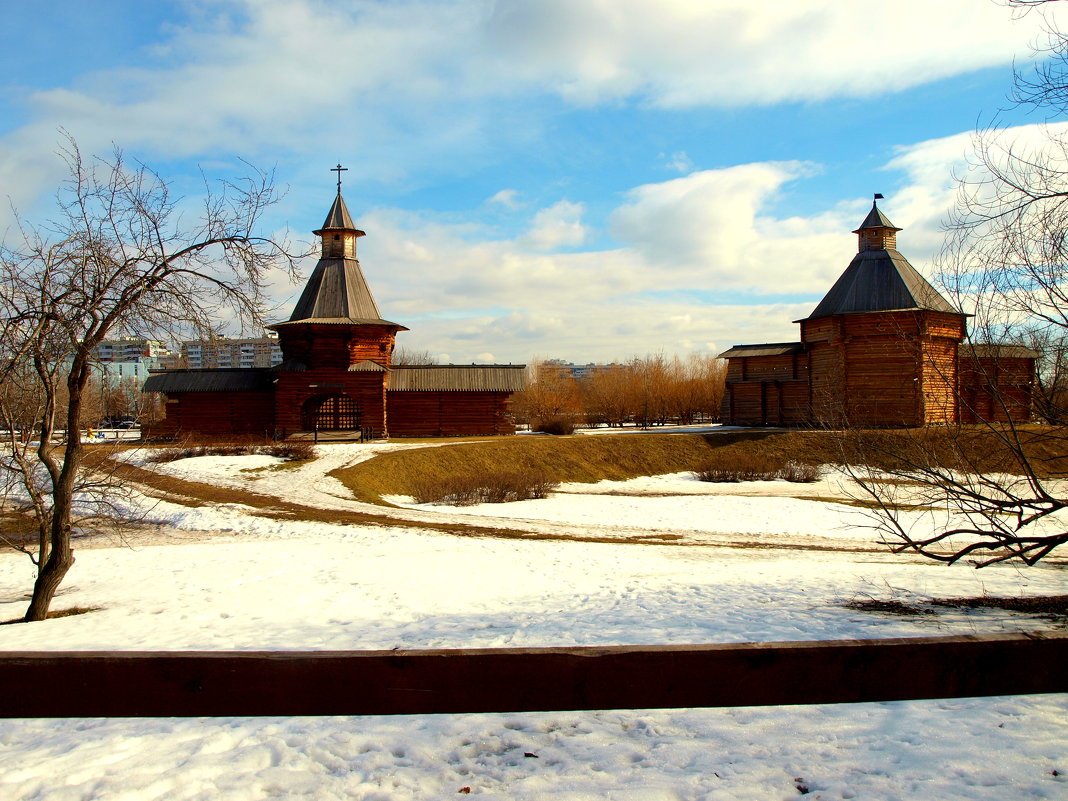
188, 684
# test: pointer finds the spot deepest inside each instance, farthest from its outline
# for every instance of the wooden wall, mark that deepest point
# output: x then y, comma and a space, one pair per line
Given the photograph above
295, 388
884, 368
996, 389
218, 414
771, 402
337, 346
448, 414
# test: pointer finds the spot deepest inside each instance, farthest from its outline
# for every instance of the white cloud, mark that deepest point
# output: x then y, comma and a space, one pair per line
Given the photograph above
559, 225
678, 162
422, 77
506, 197
736, 52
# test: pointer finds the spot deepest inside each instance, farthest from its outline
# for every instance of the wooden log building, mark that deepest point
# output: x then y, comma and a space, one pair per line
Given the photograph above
336, 373
883, 348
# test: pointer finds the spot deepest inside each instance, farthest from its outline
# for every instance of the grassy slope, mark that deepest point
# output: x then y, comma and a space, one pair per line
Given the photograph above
622, 456
576, 458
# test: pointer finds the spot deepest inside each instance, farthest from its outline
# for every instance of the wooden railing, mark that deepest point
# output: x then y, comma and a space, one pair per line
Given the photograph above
187, 684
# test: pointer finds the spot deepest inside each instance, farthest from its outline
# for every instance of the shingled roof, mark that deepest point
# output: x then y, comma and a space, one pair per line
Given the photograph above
457, 378
338, 218
766, 349
223, 380
337, 293
880, 279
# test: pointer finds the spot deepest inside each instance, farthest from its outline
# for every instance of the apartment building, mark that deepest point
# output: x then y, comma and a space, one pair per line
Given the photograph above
232, 353
130, 349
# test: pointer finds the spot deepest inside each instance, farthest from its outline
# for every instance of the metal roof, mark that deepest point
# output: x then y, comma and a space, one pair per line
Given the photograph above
227, 380
880, 280
337, 293
988, 351
767, 349
457, 378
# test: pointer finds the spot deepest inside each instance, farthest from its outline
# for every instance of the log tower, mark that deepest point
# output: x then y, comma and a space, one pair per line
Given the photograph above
336, 347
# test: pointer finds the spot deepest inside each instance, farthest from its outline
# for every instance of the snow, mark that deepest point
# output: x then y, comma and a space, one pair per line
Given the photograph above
222, 578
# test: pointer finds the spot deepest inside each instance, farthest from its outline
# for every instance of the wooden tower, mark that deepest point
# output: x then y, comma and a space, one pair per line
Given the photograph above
336, 347
883, 343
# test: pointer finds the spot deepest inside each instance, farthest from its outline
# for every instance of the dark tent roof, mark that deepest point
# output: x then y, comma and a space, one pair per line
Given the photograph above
237, 379
338, 218
458, 378
876, 219
767, 349
880, 280
337, 293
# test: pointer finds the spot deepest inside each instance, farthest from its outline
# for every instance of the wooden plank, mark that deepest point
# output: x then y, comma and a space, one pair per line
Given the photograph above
193, 684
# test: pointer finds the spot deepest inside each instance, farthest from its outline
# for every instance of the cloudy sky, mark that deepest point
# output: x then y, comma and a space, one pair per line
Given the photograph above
583, 179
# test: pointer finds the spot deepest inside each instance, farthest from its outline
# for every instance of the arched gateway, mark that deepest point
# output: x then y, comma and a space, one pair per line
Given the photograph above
331, 413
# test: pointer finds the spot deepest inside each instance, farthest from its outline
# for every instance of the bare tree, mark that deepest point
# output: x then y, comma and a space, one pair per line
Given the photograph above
551, 395
122, 255
1005, 262
406, 356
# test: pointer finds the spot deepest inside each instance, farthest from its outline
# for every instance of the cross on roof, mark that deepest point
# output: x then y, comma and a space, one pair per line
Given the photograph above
339, 169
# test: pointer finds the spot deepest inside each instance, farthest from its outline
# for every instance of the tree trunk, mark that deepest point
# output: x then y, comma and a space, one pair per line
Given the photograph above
48, 581
62, 555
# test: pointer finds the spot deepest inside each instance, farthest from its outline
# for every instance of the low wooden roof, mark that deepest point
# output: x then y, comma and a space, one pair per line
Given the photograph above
457, 378
237, 379
367, 366
767, 349
988, 351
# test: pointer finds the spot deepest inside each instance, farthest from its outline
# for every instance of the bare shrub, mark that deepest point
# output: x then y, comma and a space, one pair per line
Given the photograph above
734, 467
799, 472
738, 467
290, 451
498, 487
555, 425
297, 451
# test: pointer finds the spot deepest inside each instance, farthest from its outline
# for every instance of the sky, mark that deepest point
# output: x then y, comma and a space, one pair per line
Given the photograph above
590, 180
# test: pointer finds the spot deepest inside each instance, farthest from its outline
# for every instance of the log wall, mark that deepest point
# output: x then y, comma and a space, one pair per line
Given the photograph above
337, 346
219, 414
996, 389
884, 368
294, 389
448, 414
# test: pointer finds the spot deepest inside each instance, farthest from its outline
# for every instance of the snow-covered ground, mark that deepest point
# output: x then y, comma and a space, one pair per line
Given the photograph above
220, 578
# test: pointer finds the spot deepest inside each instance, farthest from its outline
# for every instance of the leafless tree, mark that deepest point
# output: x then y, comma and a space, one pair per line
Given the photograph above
121, 255
1005, 262
406, 356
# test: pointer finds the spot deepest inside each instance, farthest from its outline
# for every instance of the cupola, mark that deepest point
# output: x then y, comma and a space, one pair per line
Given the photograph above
876, 232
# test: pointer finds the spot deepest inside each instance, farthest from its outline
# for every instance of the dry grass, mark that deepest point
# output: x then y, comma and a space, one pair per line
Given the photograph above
1048, 607
496, 487
56, 613
732, 466
623, 456
290, 451
582, 459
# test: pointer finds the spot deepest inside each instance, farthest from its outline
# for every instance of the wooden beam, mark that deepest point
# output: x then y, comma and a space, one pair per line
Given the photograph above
194, 684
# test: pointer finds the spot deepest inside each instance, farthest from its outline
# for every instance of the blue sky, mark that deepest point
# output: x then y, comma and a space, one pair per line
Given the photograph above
583, 179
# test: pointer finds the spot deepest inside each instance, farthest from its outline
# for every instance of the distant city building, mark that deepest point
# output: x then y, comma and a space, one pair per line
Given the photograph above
128, 349
232, 353
580, 371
